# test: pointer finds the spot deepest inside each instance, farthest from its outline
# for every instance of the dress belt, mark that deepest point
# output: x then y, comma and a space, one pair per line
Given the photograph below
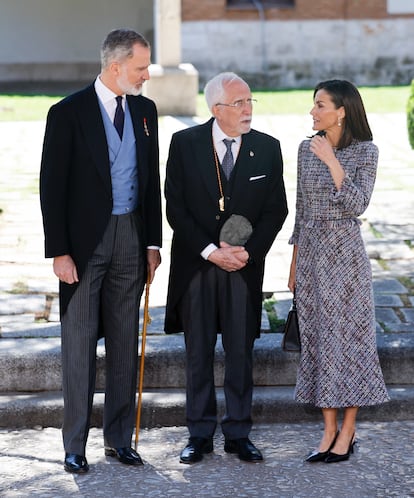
331, 224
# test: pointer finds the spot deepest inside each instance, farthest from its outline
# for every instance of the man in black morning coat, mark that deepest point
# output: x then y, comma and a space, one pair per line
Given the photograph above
100, 198
217, 287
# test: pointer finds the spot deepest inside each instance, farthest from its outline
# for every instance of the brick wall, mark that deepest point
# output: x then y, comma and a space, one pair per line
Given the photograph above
207, 10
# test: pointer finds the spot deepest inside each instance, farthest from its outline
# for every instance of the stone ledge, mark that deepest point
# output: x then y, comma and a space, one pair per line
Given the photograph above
166, 407
34, 364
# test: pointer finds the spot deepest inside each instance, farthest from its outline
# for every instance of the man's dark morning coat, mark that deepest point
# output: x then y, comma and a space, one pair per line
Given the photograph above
192, 194
75, 181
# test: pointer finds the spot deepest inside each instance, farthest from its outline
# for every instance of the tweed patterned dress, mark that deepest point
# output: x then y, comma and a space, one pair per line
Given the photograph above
339, 364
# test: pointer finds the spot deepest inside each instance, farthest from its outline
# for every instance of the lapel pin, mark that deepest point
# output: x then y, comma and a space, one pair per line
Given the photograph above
251, 153
146, 127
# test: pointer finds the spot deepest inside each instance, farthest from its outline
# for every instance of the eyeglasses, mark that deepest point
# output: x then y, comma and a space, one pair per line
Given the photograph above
240, 103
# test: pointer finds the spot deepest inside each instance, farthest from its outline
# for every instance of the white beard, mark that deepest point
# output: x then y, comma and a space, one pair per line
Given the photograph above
126, 87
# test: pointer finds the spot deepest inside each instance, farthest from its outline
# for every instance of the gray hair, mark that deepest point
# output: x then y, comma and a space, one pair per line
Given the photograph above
119, 44
215, 91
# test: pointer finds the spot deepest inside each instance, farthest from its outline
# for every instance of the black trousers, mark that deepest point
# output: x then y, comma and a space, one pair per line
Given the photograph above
215, 301
110, 292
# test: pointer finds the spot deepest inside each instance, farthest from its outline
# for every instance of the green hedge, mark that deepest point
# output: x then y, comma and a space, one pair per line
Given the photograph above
410, 116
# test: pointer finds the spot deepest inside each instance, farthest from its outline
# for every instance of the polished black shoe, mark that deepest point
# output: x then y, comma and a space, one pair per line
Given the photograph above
320, 456
244, 448
195, 449
128, 456
334, 457
76, 464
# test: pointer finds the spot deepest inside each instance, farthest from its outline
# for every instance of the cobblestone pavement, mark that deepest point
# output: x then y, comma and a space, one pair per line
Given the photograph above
31, 460
381, 467
28, 288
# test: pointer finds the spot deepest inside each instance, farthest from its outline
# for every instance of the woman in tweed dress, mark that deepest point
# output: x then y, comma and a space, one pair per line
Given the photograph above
330, 270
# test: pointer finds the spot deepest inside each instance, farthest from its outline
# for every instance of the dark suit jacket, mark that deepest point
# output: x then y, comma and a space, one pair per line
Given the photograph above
75, 181
192, 194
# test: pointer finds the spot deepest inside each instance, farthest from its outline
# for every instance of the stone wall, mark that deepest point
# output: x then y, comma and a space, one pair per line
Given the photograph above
297, 54
47, 42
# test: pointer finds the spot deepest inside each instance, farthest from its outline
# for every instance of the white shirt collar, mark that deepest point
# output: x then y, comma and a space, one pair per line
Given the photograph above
103, 92
219, 135
107, 97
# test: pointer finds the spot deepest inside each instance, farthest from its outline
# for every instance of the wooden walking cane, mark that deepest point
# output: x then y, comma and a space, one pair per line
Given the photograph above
146, 321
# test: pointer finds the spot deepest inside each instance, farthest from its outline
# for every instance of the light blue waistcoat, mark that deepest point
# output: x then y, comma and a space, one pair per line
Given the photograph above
123, 163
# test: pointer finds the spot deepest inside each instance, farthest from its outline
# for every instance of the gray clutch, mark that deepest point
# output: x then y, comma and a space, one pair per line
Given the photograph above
236, 230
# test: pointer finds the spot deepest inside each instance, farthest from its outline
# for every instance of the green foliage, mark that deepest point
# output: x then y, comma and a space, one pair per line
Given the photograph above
410, 116
275, 323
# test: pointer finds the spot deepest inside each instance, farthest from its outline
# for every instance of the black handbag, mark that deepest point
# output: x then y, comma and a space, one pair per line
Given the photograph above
291, 336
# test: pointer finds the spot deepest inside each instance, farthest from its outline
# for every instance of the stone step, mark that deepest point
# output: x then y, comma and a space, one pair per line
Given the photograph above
34, 365
166, 407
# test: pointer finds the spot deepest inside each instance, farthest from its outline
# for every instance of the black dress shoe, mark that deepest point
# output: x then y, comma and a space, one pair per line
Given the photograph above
335, 457
320, 456
128, 456
76, 464
244, 448
195, 449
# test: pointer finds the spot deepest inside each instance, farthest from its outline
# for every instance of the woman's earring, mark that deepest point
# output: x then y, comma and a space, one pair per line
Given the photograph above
339, 122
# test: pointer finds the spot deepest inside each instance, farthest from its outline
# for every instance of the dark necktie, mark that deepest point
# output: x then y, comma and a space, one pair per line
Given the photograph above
228, 161
119, 116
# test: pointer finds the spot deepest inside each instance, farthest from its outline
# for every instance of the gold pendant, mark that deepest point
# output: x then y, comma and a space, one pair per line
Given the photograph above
221, 203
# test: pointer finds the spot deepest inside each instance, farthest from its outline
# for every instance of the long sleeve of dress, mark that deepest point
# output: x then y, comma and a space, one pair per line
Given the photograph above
356, 191
299, 200
318, 200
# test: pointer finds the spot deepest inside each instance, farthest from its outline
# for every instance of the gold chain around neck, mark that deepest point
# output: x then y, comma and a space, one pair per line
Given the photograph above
221, 200
220, 185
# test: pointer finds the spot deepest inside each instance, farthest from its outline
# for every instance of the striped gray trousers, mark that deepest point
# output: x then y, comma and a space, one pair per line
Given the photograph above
107, 298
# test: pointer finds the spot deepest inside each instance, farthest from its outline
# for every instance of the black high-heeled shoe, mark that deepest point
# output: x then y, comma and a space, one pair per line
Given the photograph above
334, 457
319, 456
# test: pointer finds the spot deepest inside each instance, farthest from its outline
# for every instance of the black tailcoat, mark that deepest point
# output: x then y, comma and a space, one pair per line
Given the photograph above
75, 180
192, 195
